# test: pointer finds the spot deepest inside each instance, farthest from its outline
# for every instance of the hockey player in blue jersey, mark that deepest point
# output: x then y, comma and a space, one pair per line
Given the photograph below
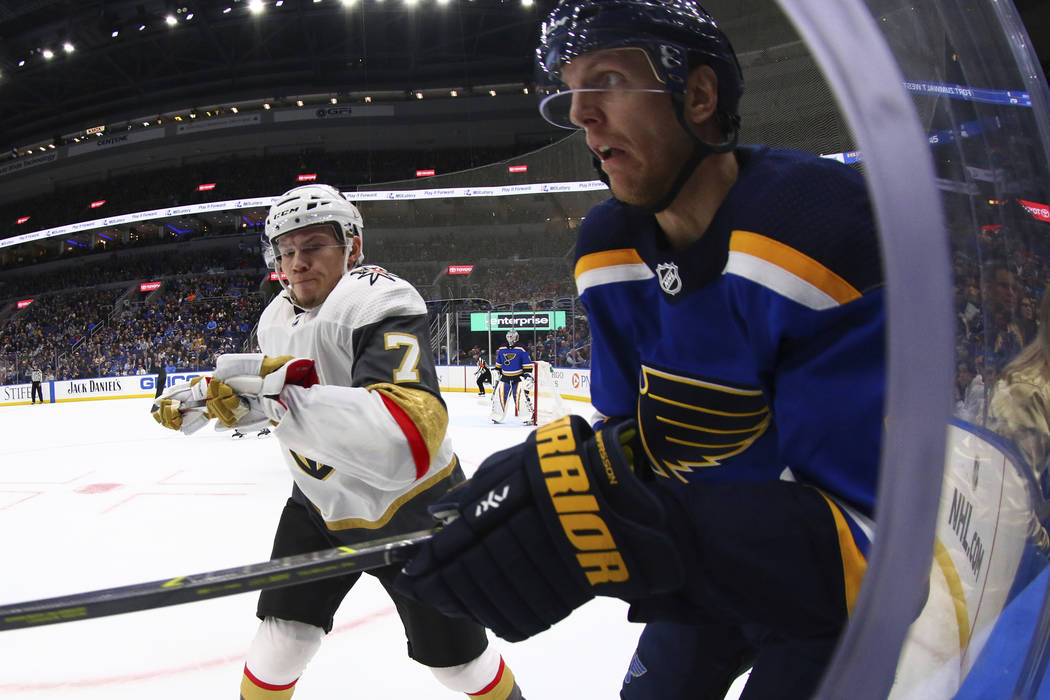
514, 366
736, 308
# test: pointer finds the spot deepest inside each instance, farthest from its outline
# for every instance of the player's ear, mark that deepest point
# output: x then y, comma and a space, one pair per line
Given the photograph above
701, 95
355, 252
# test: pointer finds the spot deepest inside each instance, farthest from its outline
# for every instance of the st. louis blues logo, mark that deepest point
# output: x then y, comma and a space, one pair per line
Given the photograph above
636, 670
670, 282
688, 423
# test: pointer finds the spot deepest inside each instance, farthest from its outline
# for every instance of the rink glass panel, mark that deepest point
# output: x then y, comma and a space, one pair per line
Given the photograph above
982, 100
982, 107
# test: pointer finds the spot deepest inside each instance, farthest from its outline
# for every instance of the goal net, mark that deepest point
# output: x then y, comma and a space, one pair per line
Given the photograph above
547, 404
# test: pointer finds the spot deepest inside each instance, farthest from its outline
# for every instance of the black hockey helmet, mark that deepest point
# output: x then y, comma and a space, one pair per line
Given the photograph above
677, 35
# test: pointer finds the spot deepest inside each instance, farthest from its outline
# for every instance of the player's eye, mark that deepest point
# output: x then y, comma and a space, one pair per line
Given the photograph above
609, 80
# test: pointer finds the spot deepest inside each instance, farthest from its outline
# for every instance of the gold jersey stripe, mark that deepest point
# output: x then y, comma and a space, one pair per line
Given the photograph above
351, 523
798, 264
853, 562
603, 267
712, 411
607, 258
757, 426
724, 446
424, 409
646, 371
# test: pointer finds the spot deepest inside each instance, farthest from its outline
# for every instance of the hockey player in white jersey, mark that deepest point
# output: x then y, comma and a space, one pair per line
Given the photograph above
354, 403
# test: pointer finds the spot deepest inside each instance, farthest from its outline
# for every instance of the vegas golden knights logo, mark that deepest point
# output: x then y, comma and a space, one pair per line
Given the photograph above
689, 423
311, 467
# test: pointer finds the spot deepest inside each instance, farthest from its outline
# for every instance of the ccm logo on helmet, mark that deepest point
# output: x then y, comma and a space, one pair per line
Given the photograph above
286, 212
577, 508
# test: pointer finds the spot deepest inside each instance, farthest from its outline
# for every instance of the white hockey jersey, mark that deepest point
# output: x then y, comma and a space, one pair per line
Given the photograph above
367, 446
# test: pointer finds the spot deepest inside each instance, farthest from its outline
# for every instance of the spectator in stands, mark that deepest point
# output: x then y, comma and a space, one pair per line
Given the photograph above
1020, 405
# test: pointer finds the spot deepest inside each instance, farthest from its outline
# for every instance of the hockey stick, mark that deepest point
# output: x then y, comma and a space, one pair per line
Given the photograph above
275, 573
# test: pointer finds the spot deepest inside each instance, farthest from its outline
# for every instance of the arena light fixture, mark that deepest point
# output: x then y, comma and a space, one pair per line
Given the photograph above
21, 63
234, 110
226, 10
334, 100
526, 3
48, 54
171, 20
142, 27
453, 93
68, 47
256, 6
266, 105
298, 103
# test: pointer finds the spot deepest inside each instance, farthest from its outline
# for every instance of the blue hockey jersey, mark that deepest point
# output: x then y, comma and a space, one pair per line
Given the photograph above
756, 353
513, 361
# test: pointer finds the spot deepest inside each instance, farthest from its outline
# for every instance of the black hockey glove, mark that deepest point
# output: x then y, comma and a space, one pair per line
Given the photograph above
542, 528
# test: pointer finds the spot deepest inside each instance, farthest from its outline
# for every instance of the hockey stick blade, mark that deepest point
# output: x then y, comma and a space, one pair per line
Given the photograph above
275, 573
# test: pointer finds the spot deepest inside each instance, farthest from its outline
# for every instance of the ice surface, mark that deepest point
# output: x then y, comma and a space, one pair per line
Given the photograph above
95, 494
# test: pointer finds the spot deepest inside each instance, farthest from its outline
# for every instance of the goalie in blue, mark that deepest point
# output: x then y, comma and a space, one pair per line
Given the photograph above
514, 389
735, 297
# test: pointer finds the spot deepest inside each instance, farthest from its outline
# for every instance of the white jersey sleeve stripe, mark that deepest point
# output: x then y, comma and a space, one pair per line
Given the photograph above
603, 267
779, 280
613, 273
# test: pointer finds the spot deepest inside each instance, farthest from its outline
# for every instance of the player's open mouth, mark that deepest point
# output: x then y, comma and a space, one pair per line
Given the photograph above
607, 152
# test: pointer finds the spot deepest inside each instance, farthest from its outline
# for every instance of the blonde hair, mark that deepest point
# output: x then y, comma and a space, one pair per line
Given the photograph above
1034, 357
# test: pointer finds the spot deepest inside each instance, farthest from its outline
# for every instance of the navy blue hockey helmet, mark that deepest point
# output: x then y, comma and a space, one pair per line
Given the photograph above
677, 35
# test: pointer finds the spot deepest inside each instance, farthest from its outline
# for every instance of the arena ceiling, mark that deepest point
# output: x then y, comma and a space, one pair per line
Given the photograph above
128, 61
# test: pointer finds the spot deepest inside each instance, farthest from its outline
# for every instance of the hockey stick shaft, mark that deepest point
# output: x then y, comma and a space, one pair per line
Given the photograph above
275, 573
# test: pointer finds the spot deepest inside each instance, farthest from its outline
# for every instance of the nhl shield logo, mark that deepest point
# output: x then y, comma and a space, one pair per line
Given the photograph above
670, 282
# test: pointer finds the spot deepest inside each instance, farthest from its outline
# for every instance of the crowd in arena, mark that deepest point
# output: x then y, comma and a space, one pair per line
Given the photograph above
82, 333
1000, 279
88, 318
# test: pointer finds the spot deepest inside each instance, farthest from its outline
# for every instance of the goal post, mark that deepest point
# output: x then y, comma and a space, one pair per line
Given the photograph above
547, 404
